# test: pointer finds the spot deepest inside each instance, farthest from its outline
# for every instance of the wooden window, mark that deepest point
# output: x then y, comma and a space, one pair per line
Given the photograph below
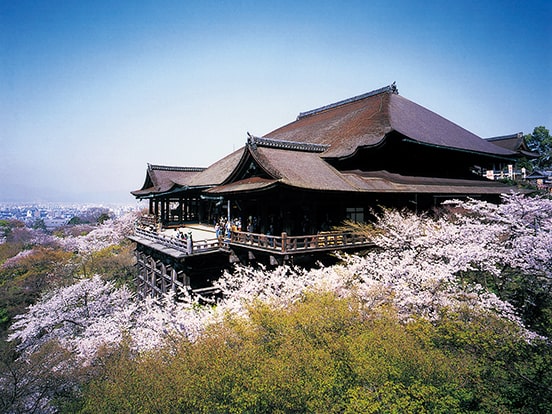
355, 214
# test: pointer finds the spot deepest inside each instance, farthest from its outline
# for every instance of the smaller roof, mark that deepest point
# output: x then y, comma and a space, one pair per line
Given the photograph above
300, 168
247, 185
298, 165
386, 182
514, 142
164, 178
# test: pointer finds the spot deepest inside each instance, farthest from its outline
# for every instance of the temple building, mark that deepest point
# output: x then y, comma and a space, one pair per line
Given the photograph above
332, 164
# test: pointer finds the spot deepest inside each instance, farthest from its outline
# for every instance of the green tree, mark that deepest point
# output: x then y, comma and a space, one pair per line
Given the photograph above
39, 225
326, 354
22, 282
540, 141
74, 221
103, 218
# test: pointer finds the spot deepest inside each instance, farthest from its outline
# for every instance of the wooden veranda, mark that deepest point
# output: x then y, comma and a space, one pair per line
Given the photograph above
283, 244
166, 262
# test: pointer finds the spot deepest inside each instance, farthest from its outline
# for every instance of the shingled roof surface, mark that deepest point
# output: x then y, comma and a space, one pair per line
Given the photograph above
344, 128
216, 173
163, 178
424, 126
364, 121
295, 155
301, 169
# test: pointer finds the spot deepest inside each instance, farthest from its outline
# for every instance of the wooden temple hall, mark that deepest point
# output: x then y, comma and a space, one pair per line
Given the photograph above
280, 196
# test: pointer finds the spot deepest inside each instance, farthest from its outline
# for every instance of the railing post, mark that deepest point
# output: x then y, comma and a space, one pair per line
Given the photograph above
284, 242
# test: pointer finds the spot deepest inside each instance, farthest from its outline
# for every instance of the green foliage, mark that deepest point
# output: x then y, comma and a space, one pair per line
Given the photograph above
23, 282
540, 141
324, 354
4, 318
115, 262
103, 218
75, 221
530, 297
8, 250
39, 225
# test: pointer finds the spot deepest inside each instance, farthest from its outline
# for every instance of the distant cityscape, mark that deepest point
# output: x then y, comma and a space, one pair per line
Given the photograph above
55, 215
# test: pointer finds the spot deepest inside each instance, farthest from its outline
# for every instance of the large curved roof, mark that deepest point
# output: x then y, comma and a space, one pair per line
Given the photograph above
365, 120
296, 154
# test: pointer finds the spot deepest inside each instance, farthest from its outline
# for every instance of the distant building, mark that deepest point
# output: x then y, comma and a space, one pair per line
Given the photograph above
541, 179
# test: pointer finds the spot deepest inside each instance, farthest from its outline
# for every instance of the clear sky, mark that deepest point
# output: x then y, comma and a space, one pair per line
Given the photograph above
91, 91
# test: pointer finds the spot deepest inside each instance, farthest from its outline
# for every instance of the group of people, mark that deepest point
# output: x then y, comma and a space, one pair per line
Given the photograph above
186, 238
225, 227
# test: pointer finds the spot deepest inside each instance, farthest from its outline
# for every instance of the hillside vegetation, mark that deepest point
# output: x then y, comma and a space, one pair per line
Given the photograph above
451, 313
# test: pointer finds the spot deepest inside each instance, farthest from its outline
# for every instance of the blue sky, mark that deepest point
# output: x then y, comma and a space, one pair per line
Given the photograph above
91, 91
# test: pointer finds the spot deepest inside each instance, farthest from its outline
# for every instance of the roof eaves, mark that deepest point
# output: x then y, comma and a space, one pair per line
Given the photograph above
506, 157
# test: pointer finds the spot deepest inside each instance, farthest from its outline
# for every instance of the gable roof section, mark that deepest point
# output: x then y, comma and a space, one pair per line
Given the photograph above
294, 164
365, 120
302, 169
163, 178
514, 142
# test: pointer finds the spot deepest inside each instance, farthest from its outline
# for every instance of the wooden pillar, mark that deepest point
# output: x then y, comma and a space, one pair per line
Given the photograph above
284, 242
174, 278
185, 209
163, 284
163, 211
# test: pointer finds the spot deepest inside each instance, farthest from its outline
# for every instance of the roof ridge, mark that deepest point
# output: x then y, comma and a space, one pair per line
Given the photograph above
503, 137
389, 88
174, 168
254, 142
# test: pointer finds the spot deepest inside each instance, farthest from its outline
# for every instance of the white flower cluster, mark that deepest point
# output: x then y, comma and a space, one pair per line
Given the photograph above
106, 234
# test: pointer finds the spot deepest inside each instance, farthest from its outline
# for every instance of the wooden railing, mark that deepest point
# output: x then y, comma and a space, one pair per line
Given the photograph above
147, 221
196, 246
291, 244
283, 244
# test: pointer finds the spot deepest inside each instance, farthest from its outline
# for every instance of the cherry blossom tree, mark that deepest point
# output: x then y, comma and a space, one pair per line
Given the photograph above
465, 260
415, 267
110, 232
